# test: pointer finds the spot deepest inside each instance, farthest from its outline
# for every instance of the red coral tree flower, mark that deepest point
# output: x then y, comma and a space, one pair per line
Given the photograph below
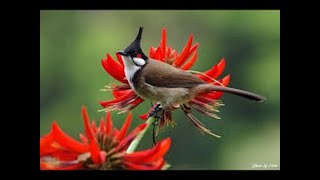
126, 99
103, 147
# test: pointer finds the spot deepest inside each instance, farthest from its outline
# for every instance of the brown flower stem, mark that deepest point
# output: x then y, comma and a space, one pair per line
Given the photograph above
133, 146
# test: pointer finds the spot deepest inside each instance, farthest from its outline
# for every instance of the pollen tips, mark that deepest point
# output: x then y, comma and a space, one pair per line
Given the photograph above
262, 99
215, 135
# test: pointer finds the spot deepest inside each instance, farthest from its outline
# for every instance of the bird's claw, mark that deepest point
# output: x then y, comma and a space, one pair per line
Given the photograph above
155, 112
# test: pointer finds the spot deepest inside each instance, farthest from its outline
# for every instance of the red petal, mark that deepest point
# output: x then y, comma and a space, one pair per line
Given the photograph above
66, 141
45, 166
173, 55
183, 56
64, 155
47, 139
150, 155
216, 94
101, 126
225, 81
144, 116
163, 42
83, 138
136, 102
120, 59
119, 93
157, 165
45, 150
94, 127
114, 69
168, 53
209, 73
193, 48
108, 103
94, 147
190, 62
115, 131
125, 127
95, 152
221, 66
45, 144
214, 72
157, 55
138, 129
108, 123
152, 52
86, 122
129, 94
123, 145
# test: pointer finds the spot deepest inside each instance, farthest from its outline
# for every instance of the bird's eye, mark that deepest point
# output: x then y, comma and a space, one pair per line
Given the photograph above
133, 54
136, 54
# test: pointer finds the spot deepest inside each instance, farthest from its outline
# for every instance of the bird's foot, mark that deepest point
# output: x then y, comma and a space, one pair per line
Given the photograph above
156, 112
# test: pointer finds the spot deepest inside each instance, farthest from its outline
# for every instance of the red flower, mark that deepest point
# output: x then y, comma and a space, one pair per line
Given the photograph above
103, 147
126, 99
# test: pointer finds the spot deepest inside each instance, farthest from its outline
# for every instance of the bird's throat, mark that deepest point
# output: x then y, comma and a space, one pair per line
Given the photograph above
130, 70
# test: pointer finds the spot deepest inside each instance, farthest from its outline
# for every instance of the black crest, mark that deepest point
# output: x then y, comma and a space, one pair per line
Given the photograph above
134, 49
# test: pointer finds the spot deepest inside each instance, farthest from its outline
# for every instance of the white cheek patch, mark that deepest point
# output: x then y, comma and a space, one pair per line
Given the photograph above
139, 61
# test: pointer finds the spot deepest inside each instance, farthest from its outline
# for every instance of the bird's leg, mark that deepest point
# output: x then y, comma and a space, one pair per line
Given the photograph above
158, 108
154, 134
155, 112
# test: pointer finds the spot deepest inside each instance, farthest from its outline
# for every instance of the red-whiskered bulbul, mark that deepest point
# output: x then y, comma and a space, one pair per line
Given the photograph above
159, 81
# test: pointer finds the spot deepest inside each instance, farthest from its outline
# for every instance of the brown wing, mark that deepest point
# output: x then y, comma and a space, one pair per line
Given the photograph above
161, 74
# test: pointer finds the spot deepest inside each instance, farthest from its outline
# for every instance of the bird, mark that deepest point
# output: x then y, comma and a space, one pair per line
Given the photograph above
157, 81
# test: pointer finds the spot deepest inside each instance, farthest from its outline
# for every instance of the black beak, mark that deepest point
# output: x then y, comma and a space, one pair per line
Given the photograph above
122, 53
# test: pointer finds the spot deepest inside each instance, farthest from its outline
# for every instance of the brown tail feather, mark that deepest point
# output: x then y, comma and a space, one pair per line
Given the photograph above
252, 96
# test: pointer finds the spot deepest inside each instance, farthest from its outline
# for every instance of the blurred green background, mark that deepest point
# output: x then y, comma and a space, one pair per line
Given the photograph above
72, 44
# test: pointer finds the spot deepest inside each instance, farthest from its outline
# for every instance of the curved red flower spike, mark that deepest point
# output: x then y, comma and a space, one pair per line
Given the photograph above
102, 147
